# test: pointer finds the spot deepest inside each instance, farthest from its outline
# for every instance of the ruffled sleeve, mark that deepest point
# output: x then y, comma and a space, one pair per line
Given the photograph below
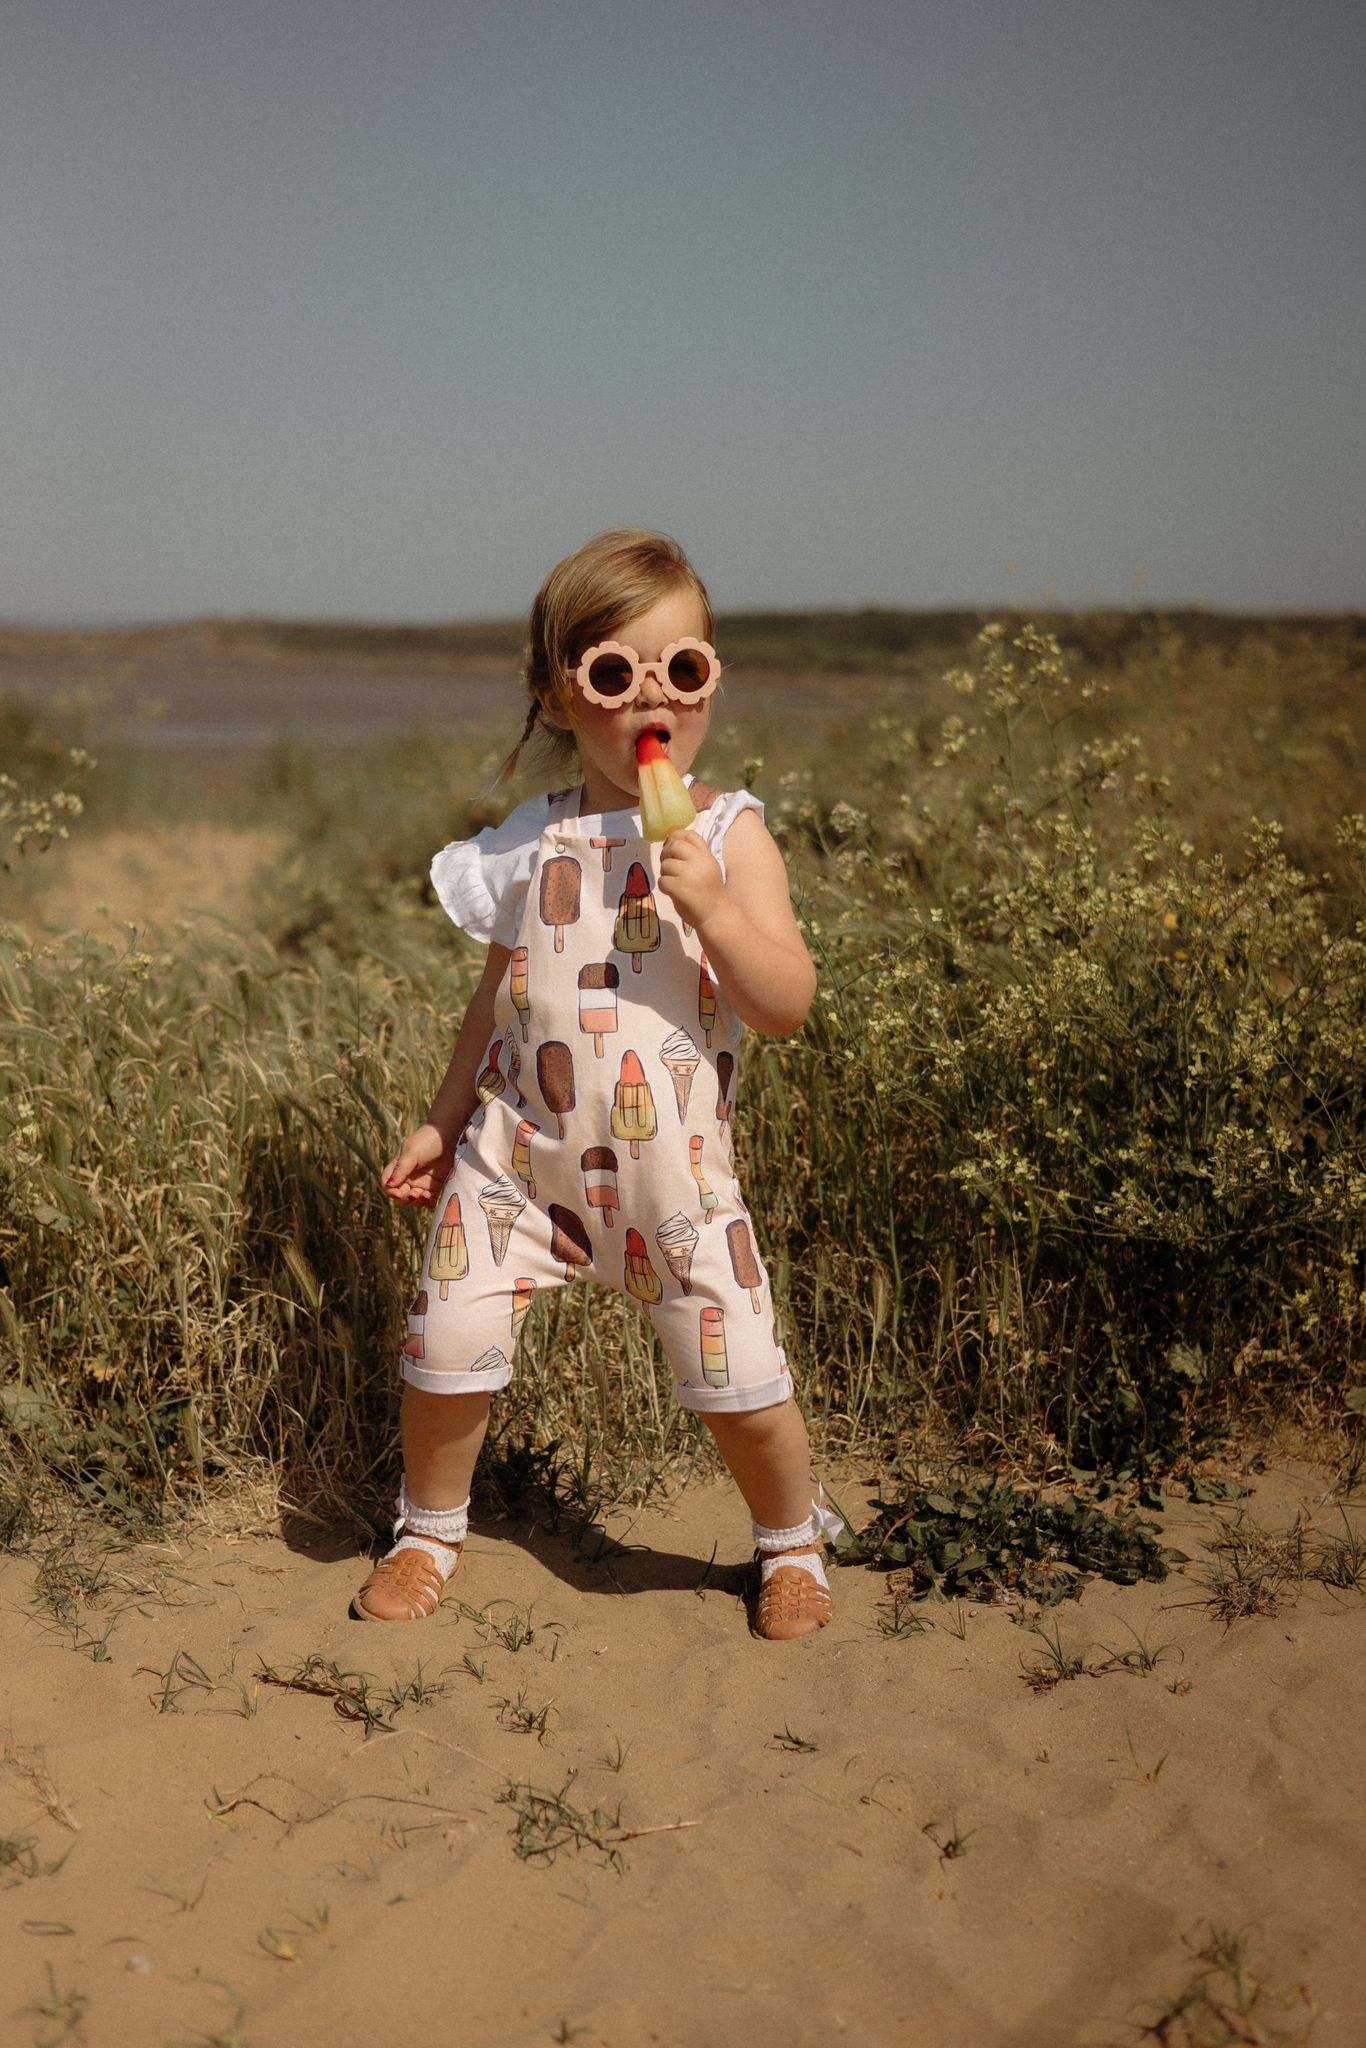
718, 818
481, 883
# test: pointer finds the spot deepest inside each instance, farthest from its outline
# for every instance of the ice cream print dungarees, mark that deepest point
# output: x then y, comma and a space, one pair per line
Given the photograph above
602, 1146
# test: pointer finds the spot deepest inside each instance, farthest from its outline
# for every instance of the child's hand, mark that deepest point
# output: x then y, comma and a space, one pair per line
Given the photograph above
690, 876
421, 1167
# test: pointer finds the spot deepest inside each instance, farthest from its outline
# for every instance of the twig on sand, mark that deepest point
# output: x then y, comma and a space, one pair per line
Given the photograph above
220, 1807
668, 1827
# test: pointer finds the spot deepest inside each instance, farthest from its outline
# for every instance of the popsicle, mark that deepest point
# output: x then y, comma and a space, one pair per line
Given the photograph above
665, 805
725, 1069
555, 1078
743, 1263
414, 1345
560, 879
521, 1154
514, 1064
705, 1194
492, 1081
637, 926
522, 1292
641, 1277
599, 1165
519, 990
712, 1330
706, 1000
604, 847
598, 987
633, 1106
569, 1243
450, 1258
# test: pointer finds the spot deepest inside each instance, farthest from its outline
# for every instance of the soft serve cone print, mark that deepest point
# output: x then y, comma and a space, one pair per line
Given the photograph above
677, 1240
502, 1205
680, 1059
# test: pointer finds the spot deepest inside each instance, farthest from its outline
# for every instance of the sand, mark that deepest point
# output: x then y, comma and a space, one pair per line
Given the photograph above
245, 1866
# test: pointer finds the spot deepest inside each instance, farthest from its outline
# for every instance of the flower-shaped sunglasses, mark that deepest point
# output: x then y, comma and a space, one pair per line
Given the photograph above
614, 675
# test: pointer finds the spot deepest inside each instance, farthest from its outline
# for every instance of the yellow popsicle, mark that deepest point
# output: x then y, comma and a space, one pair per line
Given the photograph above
665, 805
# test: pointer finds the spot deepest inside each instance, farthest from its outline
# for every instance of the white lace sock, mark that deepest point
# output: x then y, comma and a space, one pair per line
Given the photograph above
772, 1544
448, 1525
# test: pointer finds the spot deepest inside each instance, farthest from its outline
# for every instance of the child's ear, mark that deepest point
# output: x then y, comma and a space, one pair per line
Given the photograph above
554, 712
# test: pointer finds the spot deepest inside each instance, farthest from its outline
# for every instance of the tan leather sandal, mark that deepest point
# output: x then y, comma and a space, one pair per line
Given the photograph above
791, 1603
406, 1586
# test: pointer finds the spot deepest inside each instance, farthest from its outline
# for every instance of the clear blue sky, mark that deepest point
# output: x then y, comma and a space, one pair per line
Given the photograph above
328, 307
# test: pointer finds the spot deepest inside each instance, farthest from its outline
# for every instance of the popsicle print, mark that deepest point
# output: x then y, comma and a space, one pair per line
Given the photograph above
519, 988
555, 1078
561, 879
705, 1194
637, 926
725, 1070
744, 1265
598, 985
415, 1343
712, 1335
604, 847
706, 999
633, 1116
680, 1059
521, 1154
677, 1240
599, 1164
569, 1242
523, 1292
641, 1277
491, 1081
514, 1065
450, 1258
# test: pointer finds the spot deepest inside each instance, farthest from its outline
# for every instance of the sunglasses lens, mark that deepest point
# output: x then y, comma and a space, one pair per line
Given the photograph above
610, 675
689, 670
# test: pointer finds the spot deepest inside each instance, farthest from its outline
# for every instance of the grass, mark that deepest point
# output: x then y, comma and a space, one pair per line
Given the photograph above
1063, 1175
1228, 2000
357, 1695
546, 1824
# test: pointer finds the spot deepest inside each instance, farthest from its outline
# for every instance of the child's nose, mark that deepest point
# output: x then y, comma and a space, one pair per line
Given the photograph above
651, 685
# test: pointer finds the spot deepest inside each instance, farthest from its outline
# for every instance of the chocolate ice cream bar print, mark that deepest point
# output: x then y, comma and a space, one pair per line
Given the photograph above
523, 1292
599, 1164
605, 847
502, 1205
641, 1277
450, 1258
706, 999
415, 1344
561, 877
637, 926
680, 1058
704, 1193
633, 1118
569, 1242
712, 1332
743, 1263
519, 989
725, 1069
598, 985
521, 1154
555, 1078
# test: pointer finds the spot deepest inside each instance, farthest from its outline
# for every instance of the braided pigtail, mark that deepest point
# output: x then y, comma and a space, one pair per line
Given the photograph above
509, 767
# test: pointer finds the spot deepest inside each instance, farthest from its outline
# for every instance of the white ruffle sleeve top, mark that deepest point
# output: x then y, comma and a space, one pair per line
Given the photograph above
481, 883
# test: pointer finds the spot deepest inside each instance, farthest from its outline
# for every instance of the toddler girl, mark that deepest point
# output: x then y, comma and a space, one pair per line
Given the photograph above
583, 1129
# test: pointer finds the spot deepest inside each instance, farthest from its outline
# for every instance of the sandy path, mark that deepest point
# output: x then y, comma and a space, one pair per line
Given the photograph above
381, 1897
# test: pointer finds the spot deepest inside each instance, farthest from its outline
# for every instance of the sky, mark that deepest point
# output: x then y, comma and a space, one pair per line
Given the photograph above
330, 308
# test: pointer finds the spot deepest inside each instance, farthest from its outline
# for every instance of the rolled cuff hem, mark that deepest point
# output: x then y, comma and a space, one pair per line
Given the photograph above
735, 1400
430, 1379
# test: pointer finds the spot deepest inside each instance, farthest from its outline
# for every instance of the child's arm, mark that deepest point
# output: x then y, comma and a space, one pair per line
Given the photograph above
744, 919
422, 1165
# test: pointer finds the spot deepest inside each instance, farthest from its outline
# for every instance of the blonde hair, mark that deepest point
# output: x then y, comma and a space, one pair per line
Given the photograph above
590, 596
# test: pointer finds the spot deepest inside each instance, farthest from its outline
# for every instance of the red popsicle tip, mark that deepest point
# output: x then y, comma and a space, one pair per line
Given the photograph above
649, 747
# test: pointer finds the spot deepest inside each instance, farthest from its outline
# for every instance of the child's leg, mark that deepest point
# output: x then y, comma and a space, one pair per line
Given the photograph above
768, 1457
442, 1435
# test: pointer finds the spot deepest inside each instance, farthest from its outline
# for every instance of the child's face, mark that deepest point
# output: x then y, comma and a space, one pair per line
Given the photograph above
607, 736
